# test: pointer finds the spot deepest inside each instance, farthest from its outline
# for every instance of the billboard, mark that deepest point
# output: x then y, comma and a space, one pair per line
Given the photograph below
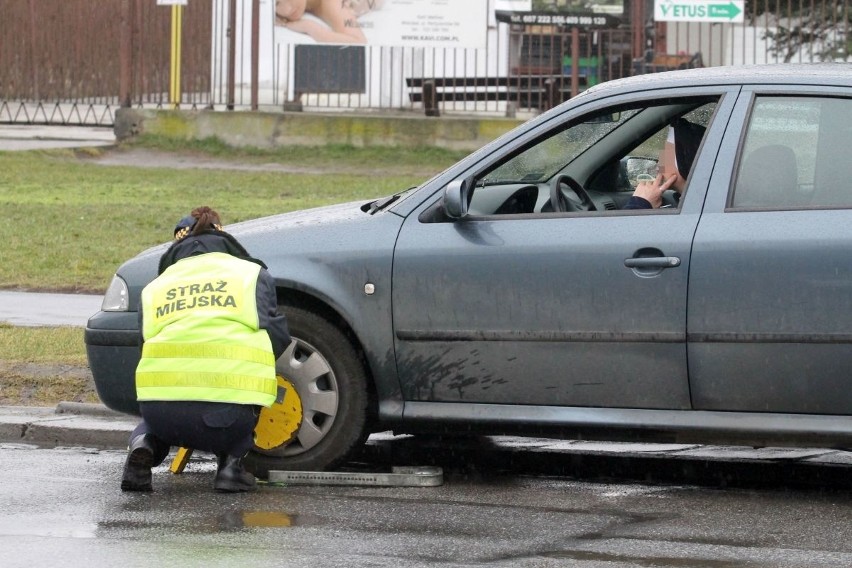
396, 23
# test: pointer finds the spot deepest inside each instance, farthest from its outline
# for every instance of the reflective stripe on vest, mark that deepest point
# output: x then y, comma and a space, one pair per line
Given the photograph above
202, 340
207, 351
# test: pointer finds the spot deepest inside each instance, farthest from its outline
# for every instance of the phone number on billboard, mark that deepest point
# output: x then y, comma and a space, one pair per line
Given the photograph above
559, 19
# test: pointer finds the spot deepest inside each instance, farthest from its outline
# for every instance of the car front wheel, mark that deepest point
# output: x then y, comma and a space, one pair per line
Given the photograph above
320, 415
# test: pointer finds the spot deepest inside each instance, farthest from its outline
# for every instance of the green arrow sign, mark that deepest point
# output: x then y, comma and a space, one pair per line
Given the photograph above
729, 11
698, 10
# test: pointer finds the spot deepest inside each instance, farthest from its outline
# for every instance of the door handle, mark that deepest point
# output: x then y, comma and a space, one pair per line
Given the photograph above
652, 262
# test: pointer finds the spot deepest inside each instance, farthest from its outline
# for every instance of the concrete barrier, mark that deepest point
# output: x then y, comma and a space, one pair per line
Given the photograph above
270, 130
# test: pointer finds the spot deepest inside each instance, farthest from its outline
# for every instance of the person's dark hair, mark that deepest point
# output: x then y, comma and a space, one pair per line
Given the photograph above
688, 136
206, 220
201, 232
201, 219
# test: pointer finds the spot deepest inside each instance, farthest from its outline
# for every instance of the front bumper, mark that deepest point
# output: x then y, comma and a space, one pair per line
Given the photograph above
113, 347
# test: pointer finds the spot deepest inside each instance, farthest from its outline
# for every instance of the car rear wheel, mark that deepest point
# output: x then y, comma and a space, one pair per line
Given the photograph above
320, 416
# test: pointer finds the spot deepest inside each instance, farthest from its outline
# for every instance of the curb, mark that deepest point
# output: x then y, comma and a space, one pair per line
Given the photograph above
72, 424
689, 464
67, 425
87, 409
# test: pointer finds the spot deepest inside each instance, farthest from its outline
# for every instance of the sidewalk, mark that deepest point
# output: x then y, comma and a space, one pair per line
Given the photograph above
45, 309
16, 137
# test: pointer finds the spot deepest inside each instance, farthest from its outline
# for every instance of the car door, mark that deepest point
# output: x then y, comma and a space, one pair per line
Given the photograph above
541, 309
770, 290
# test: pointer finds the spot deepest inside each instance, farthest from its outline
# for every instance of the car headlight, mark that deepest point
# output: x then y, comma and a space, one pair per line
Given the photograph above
115, 298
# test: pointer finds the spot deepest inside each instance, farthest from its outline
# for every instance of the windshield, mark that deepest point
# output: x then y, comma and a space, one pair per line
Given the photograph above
544, 159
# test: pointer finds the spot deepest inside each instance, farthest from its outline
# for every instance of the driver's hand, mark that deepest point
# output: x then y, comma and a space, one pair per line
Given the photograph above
652, 191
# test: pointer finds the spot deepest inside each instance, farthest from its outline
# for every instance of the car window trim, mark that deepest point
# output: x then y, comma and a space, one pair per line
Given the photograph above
720, 96
481, 159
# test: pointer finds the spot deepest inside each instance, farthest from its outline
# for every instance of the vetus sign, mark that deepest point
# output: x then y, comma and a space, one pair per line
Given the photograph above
699, 10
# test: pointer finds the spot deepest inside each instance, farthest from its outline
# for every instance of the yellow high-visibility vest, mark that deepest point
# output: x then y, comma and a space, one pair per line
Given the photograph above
202, 340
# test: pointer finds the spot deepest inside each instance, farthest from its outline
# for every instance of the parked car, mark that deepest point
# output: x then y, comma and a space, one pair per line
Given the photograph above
513, 293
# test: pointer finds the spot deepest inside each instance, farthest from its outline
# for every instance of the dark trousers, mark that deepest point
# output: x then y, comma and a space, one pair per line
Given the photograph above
216, 427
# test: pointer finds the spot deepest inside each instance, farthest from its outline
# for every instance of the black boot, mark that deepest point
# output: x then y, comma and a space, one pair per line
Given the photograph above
137, 468
232, 476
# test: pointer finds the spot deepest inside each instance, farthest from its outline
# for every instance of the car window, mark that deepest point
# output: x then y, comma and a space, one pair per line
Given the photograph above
543, 160
795, 154
595, 161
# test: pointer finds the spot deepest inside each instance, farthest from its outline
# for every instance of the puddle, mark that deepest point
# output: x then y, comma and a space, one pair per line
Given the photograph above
236, 520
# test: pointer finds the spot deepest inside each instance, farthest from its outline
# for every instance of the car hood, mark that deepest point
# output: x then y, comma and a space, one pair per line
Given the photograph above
330, 231
328, 215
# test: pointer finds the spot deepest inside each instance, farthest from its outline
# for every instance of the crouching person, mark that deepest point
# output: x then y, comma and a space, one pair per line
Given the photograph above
212, 334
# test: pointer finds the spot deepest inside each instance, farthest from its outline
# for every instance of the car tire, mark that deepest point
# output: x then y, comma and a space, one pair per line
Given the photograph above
324, 369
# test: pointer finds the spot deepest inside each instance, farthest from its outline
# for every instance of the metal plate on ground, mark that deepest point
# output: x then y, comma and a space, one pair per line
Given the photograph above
417, 476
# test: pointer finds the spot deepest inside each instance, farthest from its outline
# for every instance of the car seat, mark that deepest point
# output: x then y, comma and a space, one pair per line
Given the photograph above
768, 178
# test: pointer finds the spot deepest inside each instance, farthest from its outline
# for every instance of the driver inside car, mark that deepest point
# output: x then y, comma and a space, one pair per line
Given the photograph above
675, 161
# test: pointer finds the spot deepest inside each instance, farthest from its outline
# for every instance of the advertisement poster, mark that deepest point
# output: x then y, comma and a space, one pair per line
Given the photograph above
513, 5
396, 23
589, 13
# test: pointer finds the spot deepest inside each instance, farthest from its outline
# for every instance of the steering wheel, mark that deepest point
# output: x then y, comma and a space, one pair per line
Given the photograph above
670, 198
581, 201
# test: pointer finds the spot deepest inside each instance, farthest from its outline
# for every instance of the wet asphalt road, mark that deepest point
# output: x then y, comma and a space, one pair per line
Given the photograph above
63, 507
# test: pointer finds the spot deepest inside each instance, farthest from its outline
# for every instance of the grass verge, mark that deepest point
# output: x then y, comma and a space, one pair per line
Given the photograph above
69, 222
43, 366
336, 157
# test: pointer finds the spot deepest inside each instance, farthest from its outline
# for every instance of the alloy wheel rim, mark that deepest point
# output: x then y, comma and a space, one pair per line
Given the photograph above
315, 382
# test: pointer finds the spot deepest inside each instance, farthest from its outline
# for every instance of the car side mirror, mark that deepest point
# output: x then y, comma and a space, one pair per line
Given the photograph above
456, 197
635, 166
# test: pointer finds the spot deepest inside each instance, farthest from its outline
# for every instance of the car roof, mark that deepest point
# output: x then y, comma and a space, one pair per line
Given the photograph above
769, 74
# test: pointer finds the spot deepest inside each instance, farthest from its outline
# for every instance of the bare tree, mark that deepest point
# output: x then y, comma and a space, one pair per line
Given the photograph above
819, 28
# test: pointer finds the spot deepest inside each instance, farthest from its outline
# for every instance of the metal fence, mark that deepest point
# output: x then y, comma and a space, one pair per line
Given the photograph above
77, 61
